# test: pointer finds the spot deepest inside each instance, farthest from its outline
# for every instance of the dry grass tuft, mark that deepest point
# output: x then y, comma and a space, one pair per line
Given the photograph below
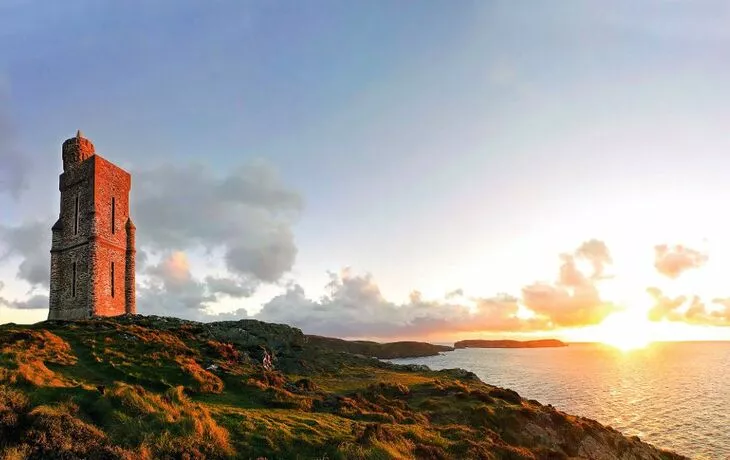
56, 431
206, 382
25, 354
169, 423
164, 339
13, 404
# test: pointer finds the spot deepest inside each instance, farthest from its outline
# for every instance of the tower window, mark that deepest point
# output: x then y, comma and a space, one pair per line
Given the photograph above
76, 216
112, 275
73, 281
114, 212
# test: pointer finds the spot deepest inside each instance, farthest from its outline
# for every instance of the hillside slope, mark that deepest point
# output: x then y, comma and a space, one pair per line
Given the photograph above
150, 387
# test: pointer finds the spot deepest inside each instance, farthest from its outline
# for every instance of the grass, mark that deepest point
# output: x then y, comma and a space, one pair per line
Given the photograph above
144, 388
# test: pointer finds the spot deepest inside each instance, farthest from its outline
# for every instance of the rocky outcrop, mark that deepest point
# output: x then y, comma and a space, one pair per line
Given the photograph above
246, 333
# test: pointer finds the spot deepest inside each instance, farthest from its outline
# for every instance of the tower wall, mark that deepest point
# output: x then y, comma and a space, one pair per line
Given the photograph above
53, 295
109, 238
70, 244
78, 304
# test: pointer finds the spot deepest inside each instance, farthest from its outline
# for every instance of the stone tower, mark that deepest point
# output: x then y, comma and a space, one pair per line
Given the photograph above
93, 246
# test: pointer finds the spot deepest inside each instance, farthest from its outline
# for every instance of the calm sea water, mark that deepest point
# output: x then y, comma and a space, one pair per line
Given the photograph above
673, 395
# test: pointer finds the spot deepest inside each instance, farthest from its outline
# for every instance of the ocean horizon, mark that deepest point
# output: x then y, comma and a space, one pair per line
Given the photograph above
670, 394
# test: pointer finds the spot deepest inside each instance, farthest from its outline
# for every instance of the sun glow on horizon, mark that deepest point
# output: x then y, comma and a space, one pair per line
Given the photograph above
627, 329
624, 331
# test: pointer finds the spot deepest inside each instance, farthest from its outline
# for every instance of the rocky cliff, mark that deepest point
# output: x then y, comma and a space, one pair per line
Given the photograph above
149, 387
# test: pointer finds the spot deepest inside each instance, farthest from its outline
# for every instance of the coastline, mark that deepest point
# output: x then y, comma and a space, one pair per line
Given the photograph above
150, 387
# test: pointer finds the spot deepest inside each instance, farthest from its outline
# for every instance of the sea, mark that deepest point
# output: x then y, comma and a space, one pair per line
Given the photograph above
673, 395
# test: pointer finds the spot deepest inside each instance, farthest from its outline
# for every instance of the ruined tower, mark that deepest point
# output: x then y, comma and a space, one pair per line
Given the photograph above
93, 245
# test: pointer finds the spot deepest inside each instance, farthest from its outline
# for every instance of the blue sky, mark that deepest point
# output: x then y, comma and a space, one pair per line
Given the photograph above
438, 145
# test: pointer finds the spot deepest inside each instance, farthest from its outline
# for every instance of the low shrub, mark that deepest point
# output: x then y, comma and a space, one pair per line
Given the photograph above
504, 394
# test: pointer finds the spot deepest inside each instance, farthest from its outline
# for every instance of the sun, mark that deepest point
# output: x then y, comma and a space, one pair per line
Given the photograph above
625, 330
629, 328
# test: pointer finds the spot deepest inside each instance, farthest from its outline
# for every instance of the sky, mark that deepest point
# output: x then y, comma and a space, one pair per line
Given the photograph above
386, 170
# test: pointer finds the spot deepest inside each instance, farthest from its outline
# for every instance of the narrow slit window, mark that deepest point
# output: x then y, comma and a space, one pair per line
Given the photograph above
73, 281
76, 216
112, 275
114, 215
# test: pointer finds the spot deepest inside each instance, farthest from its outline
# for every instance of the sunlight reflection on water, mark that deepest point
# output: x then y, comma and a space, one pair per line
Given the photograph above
673, 395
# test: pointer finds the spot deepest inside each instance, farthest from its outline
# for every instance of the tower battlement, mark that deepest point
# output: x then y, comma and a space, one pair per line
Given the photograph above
93, 245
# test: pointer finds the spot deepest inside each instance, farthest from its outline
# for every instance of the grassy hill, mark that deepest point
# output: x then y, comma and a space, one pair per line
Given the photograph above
149, 387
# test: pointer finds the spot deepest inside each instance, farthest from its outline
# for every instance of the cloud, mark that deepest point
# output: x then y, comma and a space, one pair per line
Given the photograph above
596, 252
36, 302
672, 261
14, 164
564, 307
247, 213
173, 271
691, 310
574, 299
168, 288
33, 303
229, 286
355, 307
665, 307
29, 242
717, 317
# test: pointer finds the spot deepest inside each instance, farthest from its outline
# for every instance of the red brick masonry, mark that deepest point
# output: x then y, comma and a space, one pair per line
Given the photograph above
93, 246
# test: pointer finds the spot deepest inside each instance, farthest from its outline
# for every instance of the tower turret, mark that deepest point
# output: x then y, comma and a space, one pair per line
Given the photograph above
130, 291
76, 150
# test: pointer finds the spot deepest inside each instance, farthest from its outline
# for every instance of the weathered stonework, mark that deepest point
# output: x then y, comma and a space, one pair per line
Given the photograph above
93, 244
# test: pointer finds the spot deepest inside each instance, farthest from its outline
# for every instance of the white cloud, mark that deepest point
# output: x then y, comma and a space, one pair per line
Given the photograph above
33, 303
247, 213
689, 309
672, 261
574, 299
355, 307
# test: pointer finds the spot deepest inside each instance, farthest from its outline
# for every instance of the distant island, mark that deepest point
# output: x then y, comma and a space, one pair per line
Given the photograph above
406, 349
549, 343
392, 350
